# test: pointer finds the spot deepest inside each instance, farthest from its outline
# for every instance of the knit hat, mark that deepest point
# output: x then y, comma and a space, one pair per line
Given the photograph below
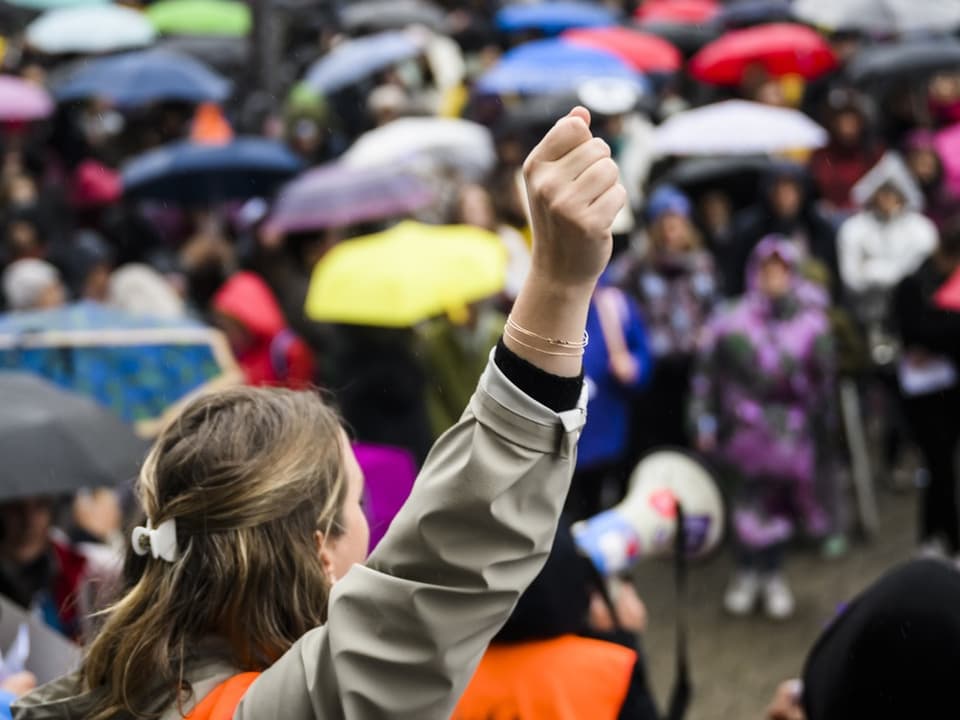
665, 200
24, 281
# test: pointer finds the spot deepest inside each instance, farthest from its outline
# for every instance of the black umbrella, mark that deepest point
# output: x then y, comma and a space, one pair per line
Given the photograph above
53, 441
695, 172
903, 61
392, 15
688, 38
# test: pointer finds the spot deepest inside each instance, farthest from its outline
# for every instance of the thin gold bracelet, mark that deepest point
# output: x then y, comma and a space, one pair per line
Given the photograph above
575, 353
512, 324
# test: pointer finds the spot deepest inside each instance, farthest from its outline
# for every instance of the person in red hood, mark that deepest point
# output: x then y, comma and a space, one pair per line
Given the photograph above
268, 351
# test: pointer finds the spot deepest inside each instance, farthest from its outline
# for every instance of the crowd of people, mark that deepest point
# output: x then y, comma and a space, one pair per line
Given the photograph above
747, 285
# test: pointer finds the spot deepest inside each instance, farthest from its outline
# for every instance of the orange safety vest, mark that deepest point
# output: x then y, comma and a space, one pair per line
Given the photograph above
567, 678
221, 702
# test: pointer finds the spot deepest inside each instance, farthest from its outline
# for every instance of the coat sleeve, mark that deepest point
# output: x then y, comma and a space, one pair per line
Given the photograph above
850, 256
406, 630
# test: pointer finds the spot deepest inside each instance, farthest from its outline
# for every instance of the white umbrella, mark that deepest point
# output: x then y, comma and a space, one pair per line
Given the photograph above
737, 127
881, 16
90, 29
461, 144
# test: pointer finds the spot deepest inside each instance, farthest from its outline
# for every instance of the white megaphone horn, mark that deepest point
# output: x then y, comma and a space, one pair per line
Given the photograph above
645, 523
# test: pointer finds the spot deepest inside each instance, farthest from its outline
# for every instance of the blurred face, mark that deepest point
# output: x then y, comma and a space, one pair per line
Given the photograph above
848, 127
338, 554
787, 198
476, 208
716, 211
774, 280
924, 165
97, 286
26, 529
887, 202
674, 232
53, 296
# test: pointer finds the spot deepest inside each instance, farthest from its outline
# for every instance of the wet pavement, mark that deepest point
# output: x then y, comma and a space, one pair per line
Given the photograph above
737, 664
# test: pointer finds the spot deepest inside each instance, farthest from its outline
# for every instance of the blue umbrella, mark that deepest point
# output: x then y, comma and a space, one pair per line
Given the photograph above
137, 366
356, 59
554, 66
553, 17
143, 77
191, 172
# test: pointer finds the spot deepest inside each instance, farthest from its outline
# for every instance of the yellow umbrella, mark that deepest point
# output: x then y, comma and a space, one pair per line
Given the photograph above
406, 274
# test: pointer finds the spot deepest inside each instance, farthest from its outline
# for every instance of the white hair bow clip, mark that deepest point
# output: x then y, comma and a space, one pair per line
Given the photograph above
161, 542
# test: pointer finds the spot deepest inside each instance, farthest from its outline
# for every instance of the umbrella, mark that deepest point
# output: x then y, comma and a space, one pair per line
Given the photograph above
880, 16
737, 127
737, 175
354, 60
201, 17
223, 53
643, 51
780, 48
41, 5
916, 59
742, 13
91, 29
689, 38
554, 66
139, 367
392, 15
406, 274
191, 172
142, 77
336, 196
693, 12
54, 442
21, 100
460, 144
553, 17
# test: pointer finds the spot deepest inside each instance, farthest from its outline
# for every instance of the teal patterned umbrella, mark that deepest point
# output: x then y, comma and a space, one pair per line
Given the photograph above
139, 367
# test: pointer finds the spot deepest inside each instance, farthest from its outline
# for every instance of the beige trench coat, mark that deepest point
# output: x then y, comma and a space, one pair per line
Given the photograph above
407, 630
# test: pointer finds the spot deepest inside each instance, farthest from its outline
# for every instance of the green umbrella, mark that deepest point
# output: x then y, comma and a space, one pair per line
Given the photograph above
200, 17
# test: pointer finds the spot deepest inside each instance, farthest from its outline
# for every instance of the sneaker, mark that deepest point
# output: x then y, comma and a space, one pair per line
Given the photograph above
778, 602
742, 593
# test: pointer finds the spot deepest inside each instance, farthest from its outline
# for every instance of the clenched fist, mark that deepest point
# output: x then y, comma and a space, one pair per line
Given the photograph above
574, 193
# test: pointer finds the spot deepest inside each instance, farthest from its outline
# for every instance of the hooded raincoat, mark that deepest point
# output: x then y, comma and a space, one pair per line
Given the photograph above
876, 253
274, 355
763, 382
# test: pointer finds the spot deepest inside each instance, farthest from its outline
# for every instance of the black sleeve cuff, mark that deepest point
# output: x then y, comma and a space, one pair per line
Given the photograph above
557, 393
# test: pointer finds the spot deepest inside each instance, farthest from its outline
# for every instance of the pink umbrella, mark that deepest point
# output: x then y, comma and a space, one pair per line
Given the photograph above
644, 52
21, 101
389, 473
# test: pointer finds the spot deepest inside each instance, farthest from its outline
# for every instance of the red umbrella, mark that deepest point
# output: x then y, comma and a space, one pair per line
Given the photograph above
644, 52
678, 11
779, 48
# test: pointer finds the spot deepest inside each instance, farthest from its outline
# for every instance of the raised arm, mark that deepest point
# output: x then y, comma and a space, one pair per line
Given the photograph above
406, 631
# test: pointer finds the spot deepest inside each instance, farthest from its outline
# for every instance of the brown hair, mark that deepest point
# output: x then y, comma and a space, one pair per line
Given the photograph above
249, 475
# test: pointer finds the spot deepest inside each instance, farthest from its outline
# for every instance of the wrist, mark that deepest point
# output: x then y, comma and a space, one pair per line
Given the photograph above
544, 285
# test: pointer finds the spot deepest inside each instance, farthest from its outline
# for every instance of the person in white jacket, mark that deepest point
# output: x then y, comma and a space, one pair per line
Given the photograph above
890, 237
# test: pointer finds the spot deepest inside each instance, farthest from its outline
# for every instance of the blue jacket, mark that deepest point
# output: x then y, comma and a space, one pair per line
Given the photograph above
607, 430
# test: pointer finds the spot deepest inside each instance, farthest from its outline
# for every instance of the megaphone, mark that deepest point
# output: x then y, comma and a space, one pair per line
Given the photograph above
645, 523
